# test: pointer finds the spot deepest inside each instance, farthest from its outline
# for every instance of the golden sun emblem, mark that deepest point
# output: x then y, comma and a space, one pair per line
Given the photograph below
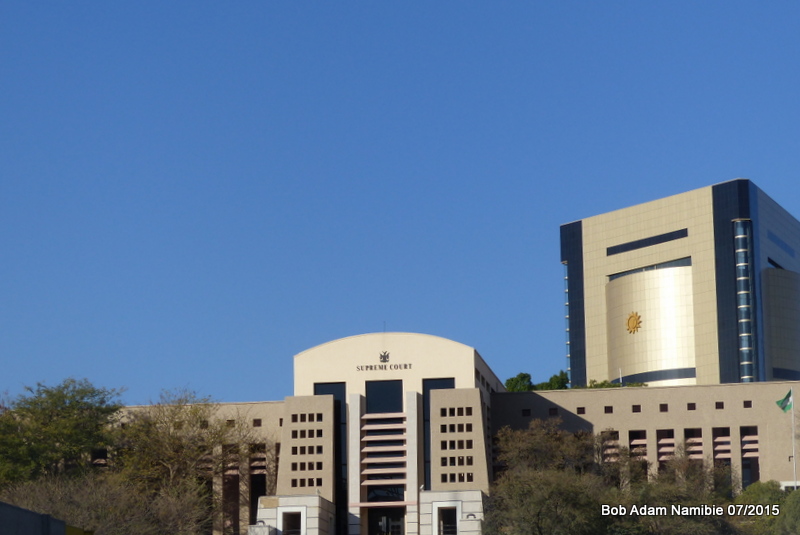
634, 322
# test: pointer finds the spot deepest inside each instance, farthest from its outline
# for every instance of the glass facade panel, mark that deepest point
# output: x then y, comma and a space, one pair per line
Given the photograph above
384, 396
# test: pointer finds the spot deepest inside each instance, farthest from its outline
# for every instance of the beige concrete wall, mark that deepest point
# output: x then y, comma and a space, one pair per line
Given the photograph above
587, 409
411, 357
307, 447
691, 210
468, 505
457, 439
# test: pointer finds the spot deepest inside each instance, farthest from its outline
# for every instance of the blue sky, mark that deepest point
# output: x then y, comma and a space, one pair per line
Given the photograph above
193, 192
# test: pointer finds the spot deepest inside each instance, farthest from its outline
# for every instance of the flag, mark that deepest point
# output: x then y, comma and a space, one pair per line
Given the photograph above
786, 403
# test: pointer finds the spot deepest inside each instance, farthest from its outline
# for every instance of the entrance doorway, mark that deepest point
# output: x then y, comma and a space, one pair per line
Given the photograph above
387, 521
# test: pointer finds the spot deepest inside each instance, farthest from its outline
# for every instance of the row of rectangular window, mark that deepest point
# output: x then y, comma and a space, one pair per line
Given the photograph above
457, 461
306, 466
662, 407
311, 417
455, 411
310, 480
461, 477
302, 450
460, 428
457, 444
312, 433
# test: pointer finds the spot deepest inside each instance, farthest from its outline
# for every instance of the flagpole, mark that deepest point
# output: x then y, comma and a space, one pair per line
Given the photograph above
794, 439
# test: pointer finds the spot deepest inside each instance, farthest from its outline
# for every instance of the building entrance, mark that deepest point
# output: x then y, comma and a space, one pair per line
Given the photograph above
387, 521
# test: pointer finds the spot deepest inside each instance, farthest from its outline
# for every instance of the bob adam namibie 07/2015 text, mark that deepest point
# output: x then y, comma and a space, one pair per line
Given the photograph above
694, 510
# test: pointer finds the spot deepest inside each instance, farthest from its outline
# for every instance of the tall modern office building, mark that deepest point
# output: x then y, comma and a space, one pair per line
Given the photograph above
698, 288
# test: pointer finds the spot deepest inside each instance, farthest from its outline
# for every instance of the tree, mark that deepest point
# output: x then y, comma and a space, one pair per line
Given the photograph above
54, 430
559, 381
520, 383
767, 493
548, 485
175, 449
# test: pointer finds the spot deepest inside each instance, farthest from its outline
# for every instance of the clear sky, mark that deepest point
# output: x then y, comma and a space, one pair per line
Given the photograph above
193, 192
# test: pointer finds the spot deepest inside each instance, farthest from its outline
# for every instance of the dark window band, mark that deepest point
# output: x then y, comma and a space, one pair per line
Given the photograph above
681, 262
647, 242
786, 375
661, 375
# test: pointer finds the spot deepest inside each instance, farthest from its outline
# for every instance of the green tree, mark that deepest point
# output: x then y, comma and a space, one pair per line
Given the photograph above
548, 484
54, 430
559, 381
760, 493
173, 449
520, 383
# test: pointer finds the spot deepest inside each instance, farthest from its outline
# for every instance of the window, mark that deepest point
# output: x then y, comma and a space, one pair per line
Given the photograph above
461, 444
444, 478
469, 444
552, 411
319, 433
444, 444
294, 418
302, 450
319, 481
302, 433
280, 422
444, 461
294, 467
719, 405
302, 417
452, 428
748, 404
319, 416
256, 422
294, 450
319, 450
452, 461
663, 407
443, 413
443, 428
311, 417
469, 428
636, 408
581, 410
526, 412
452, 478
608, 409
691, 406
468, 411
294, 482
384, 396
469, 477
461, 411
319, 466
294, 433
469, 460
460, 428
452, 411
